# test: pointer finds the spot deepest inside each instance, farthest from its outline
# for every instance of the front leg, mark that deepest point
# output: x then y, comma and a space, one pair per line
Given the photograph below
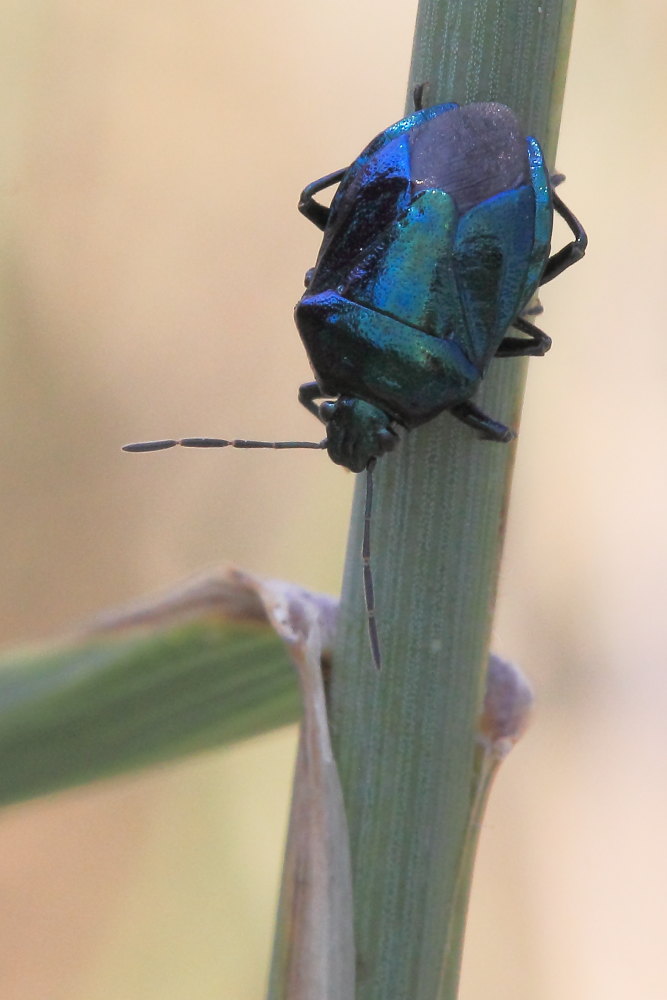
308, 393
315, 212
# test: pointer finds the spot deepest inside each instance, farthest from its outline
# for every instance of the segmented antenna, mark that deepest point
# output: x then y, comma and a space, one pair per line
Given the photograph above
369, 592
141, 446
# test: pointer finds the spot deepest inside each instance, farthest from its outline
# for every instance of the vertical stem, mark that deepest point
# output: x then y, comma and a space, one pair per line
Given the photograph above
403, 737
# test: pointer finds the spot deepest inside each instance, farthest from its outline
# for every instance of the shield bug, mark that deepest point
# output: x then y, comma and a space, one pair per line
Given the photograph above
436, 240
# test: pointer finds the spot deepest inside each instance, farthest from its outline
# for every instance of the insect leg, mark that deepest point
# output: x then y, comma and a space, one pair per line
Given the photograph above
314, 212
535, 345
308, 393
487, 428
571, 253
418, 95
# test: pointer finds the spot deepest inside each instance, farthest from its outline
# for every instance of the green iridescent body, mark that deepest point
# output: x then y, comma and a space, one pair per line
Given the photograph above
436, 240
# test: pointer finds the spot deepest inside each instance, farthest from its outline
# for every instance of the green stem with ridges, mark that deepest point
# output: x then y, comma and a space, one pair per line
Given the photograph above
404, 738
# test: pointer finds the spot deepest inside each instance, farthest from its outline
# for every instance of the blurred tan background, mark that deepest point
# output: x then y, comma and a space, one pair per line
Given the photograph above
152, 254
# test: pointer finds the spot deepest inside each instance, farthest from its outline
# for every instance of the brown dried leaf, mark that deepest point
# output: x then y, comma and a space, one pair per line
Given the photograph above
315, 944
220, 593
315, 956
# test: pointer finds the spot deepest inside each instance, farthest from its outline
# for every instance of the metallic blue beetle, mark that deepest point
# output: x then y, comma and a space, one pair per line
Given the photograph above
434, 244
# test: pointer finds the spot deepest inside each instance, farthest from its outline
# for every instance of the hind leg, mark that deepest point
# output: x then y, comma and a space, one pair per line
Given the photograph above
571, 253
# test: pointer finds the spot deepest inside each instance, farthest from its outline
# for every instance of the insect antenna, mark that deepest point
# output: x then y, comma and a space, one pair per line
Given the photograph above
140, 446
369, 591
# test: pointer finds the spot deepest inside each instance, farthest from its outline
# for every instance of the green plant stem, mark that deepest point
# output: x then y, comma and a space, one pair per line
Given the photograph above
404, 738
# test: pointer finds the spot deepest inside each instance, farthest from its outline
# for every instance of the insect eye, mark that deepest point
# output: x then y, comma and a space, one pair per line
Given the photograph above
308, 276
327, 410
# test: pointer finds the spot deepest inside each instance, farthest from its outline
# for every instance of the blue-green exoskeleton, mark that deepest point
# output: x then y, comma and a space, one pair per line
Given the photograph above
435, 242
